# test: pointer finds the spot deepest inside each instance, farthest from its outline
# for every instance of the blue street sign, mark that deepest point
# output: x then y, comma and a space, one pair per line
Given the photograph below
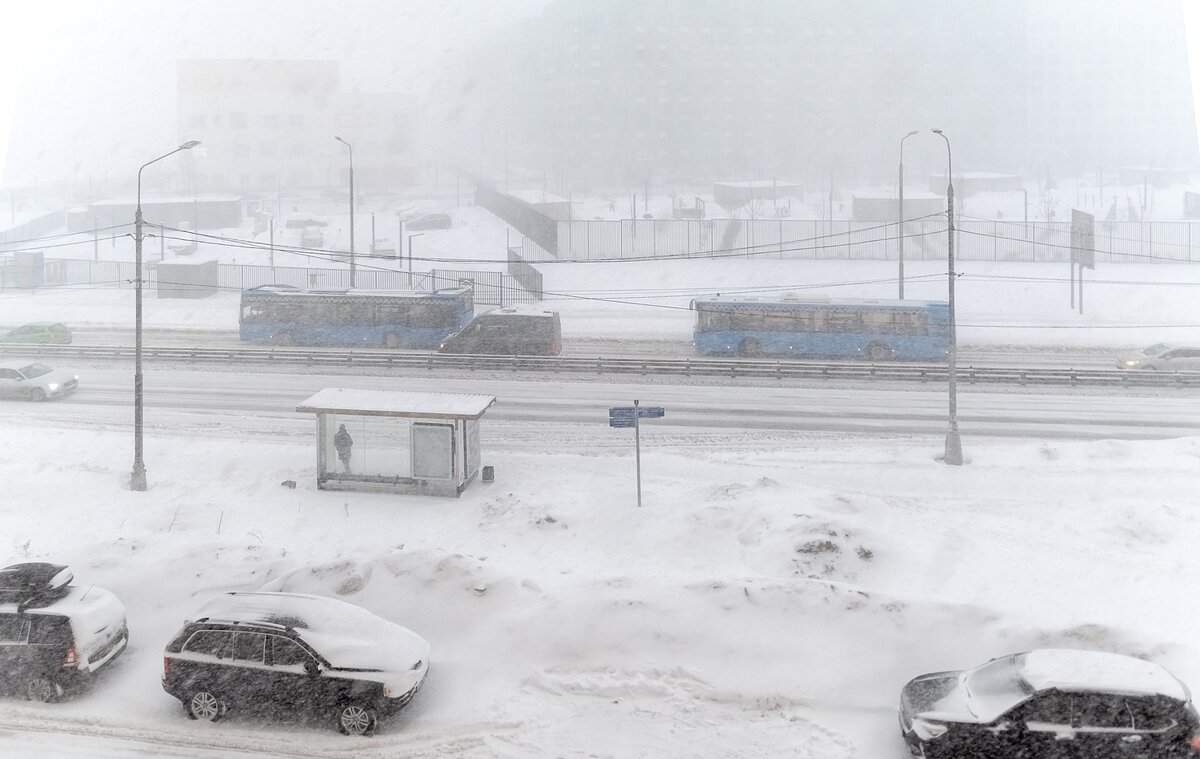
622, 422
642, 412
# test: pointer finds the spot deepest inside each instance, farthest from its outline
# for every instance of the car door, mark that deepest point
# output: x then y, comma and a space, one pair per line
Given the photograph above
296, 675
10, 382
15, 657
1044, 728
1188, 359
1105, 727
204, 662
250, 682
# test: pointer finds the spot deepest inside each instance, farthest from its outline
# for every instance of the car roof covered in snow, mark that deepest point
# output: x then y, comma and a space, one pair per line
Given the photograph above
1075, 670
348, 636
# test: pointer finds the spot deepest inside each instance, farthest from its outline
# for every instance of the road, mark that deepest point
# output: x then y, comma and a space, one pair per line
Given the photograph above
106, 392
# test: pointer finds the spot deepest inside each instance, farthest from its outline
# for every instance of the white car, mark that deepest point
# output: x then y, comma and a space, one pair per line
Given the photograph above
33, 381
1162, 356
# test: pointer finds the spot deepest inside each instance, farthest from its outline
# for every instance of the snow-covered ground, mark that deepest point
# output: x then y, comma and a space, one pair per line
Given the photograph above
769, 599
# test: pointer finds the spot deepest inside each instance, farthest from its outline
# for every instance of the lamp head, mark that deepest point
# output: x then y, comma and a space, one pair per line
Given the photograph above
910, 134
189, 144
936, 131
339, 139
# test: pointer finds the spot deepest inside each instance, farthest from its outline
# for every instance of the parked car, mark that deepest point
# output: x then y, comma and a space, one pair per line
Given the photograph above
289, 652
424, 214
1162, 356
49, 333
55, 636
33, 381
509, 331
311, 237
1051, 703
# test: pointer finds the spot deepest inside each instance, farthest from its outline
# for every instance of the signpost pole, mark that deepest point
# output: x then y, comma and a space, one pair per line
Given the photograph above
637, 447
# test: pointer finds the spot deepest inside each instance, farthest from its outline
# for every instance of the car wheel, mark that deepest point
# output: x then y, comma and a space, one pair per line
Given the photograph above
878, 351
356, 719
37, 394
749, 348
205, 705
43, 689
391, 341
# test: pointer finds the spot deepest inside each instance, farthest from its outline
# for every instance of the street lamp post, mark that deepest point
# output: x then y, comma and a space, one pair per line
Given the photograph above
900, 212
339, 139
953, 442
137, 478
410, 239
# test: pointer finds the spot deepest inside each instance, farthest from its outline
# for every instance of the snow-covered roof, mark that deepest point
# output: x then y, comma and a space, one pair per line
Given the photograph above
1071, 669
347, 635
342, 400
760, 184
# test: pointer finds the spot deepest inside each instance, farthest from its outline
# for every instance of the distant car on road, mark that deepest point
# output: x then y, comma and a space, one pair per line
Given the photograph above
47, 333
33, 381
1162, 356
510, 331
1052, 703
54, 636
289, 653
311, 237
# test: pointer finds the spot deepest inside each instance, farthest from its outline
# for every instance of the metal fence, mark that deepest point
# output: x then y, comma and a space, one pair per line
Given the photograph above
924, 239
492, 288
529, 277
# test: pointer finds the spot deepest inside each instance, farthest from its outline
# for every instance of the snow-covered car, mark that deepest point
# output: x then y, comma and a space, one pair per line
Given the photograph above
509, 331
288, 652
1162, 356
54, 636
46, 333
34, 381
1051, 703
424, 214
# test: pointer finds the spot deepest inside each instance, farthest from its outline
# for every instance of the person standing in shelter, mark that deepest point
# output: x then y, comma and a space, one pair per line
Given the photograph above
342, 443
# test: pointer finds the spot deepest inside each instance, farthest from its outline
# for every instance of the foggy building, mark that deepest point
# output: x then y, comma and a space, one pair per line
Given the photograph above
270, 124
623, 91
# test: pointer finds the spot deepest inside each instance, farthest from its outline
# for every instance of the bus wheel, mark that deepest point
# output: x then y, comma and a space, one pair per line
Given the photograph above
391, 341
749, 347
878, 351
285, 338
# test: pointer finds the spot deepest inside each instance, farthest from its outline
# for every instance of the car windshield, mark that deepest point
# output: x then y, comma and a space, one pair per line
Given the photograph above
1156, 349
998, 680
35, 370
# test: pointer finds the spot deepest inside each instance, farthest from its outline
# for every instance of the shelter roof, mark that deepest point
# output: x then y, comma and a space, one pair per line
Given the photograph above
342, 400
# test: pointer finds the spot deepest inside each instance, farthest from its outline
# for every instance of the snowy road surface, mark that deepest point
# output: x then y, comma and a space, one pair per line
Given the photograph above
862, 408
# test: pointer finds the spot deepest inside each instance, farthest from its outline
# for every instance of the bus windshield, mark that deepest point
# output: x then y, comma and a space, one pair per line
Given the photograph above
416, 319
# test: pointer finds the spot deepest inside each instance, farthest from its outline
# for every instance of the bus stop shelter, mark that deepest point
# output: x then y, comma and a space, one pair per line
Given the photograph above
388, 441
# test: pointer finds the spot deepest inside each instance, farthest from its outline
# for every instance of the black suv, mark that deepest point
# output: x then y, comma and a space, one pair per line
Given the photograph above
289, 652
53, 635
1059, 703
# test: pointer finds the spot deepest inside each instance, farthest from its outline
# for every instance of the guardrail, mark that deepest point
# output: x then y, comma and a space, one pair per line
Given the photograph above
677, 367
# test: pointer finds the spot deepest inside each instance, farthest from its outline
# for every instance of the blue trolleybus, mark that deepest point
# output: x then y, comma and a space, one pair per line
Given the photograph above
907, 330
285, 315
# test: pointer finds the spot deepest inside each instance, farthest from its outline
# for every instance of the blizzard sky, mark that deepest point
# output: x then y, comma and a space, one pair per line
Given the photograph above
118, 35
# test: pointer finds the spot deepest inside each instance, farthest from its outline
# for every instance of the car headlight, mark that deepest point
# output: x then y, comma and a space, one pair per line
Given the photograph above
1131, 362
52, 386
927, 730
